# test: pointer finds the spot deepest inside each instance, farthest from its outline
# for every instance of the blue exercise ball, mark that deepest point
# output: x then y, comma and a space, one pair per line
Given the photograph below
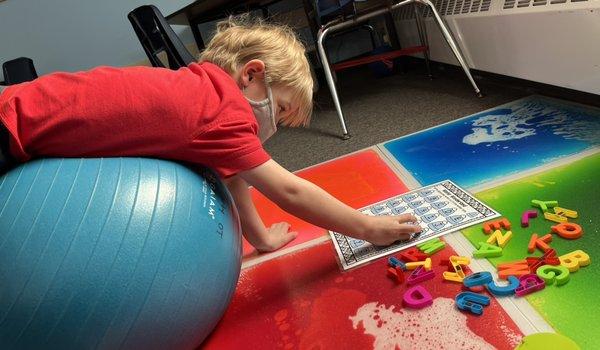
114, 253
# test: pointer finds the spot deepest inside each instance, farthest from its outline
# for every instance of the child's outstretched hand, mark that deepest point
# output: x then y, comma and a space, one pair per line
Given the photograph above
278, 236
385, 230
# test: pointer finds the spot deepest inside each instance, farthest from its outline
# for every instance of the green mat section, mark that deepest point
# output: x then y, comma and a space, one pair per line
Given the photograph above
572, 308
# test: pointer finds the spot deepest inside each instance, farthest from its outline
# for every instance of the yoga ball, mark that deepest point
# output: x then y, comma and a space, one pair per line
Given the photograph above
114, 253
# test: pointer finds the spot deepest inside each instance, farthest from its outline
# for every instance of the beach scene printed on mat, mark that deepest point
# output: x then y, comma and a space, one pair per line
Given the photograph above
502, 141
440, 208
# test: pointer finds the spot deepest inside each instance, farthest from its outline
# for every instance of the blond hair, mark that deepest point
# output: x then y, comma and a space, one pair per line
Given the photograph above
241, 39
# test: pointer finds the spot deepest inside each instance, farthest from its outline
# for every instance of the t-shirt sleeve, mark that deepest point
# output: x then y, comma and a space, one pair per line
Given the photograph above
229, 147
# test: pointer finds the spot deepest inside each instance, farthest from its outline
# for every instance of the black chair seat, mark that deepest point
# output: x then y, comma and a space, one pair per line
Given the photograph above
157, 36
18, 71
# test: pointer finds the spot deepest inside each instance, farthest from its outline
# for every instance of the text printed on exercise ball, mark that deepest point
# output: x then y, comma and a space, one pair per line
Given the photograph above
211, 202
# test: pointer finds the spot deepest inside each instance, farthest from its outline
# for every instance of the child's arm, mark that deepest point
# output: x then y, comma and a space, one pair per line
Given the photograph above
262, 238
309, 202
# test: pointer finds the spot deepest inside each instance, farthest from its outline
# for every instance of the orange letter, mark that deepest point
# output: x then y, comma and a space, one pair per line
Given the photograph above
568, 230
515, 268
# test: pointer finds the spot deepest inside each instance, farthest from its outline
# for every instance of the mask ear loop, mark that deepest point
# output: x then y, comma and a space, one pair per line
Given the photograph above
271, 104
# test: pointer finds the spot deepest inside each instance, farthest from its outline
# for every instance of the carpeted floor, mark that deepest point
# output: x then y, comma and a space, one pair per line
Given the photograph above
378, 110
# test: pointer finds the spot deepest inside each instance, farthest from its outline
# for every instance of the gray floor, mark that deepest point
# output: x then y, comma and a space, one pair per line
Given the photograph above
378, 110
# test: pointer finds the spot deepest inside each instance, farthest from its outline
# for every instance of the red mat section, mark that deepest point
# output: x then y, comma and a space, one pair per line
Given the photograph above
358, 180
303, 301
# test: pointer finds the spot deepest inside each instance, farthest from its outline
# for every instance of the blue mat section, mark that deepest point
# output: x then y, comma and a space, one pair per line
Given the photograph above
498, 142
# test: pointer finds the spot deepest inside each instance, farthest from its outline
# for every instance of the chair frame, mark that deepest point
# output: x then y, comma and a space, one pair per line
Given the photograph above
177, 53
337, 25
19, 66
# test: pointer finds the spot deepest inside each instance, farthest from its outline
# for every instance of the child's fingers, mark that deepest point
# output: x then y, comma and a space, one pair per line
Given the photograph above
410, 228
397, 236
403, 236
406, 218
288, 237
282, 225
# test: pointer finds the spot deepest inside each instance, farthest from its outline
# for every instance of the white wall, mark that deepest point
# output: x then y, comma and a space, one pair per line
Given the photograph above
72, 35
556, 44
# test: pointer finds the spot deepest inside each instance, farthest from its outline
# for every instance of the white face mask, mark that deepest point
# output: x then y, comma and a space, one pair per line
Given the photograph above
265, 116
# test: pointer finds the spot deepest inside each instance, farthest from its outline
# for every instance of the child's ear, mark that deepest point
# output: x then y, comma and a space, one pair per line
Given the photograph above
253, 69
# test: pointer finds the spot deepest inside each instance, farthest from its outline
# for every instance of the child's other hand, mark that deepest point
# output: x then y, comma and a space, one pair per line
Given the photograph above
278, 236
385, 230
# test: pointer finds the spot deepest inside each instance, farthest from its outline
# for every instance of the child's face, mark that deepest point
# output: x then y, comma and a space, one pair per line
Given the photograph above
251, 79
283, 102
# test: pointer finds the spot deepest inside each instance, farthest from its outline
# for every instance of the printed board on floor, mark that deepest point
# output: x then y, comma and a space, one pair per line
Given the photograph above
440, 208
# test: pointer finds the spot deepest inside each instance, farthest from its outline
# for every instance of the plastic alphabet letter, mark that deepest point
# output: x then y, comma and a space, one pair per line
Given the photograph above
462, 260
541, 243
544, 205
500, 239
487, 250
478, 279
549, 258
491, 226
472, 302
420, 275
565, 212
417, 297
425, 263
528, 284
457, 273
452, 276
515, 268
528, 214
396, 274
432, 246
555, 217
495, 289
568, 230
394, 262
413, 255
550, 273
573, 260
458, 269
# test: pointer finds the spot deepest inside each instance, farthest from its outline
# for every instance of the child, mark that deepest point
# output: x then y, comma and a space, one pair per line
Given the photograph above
216, 113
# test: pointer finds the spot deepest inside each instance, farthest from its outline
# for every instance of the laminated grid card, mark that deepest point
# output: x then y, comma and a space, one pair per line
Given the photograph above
440, 208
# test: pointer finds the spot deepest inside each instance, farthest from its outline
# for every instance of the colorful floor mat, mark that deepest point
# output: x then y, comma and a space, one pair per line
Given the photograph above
303, 301
575, 186
533, 148
502, 141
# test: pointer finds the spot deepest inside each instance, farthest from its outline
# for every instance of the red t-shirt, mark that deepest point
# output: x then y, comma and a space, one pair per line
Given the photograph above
196, 114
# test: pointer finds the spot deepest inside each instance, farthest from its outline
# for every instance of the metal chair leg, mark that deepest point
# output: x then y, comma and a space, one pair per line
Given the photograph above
423, 38
451, 43
329, 77
333, 27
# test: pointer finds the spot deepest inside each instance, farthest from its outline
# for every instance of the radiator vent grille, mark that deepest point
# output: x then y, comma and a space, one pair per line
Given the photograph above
445, 8
459, 7
511, 4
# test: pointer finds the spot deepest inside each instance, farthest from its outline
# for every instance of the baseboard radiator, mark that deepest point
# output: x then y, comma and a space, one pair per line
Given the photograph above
554, 42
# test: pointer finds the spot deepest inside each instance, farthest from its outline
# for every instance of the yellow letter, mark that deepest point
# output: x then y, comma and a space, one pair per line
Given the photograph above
573, 260
500, 239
